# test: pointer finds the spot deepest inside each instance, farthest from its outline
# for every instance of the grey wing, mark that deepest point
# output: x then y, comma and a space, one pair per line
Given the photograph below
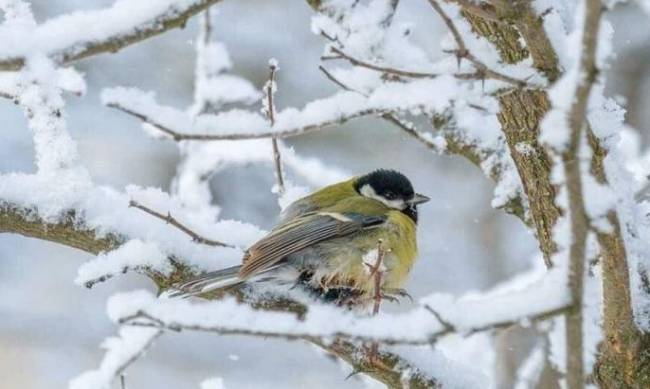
298, 208
301, 233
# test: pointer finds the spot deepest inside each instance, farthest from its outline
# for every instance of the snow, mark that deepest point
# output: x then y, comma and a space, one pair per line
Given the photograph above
518, 299
213, 383
132, 255
226, 104
75, 31
67, 79
120, 352
529, 296
213, 88
291, 193
529, 372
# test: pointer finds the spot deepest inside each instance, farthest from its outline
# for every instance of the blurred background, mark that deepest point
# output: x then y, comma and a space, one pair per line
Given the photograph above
51, 329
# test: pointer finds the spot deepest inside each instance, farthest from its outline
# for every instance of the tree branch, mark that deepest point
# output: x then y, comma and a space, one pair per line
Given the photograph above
463, 52
454, 145
578, 215
169, 219
482, 72
270, 113
175, 16
225, 326
388, 368
288, 133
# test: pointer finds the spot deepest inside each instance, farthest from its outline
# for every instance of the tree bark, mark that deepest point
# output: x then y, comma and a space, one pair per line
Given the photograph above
624, 354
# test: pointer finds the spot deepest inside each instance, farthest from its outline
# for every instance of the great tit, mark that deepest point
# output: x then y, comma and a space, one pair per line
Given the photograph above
328, 240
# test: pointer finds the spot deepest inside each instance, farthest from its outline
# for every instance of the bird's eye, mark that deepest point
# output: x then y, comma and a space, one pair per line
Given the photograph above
389, 195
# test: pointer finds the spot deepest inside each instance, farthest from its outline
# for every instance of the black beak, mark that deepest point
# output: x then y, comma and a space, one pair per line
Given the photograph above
419, 199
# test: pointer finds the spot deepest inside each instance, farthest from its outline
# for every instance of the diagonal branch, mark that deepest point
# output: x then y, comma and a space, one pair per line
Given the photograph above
462, 52
407, 127
169, 219
120, 35
384, 69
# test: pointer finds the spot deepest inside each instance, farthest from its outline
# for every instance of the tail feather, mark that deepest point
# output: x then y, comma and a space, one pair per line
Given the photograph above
207, 282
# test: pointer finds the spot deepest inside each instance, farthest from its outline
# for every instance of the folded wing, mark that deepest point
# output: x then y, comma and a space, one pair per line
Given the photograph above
301, 233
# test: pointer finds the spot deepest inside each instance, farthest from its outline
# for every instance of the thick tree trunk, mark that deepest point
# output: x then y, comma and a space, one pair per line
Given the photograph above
624, 358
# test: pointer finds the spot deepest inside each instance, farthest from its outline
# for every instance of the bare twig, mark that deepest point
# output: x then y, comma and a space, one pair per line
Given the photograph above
270, 114
122, 367
376, 274
335, 80
169, 219
410, 129
384, 69
577, 213
445, 324
462, 52
174, 17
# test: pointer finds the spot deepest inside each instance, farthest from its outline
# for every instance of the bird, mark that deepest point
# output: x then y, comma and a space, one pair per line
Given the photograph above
331, 242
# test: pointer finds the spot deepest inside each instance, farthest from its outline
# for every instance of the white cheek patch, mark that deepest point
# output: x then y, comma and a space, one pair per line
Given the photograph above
369, 192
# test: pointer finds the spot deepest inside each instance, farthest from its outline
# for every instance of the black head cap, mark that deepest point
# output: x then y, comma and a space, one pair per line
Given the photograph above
391, 185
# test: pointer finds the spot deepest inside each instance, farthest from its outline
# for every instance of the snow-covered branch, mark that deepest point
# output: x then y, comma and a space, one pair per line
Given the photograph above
80, 35
573, 172
121, 352
538, 298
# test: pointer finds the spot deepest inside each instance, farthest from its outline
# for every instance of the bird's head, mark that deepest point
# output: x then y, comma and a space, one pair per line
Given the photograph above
393, 189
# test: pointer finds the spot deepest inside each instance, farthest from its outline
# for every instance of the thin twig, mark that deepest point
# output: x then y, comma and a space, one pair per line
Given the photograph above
578, 217
445, 324
288, 133
482, 71
410, 129
270, 114
207, 27
376, 274
169, 219
384, 69
390, 117
335, 80
121, 368
461, 52
144, 319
